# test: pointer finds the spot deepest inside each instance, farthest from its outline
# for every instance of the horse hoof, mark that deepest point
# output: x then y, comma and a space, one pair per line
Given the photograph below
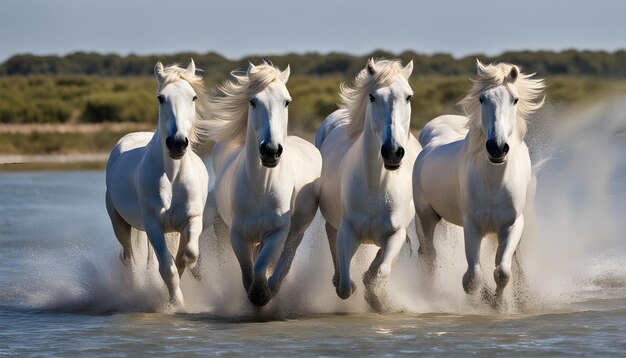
177, 303
343, 294
259, 294
501, 277
196, 273
470, 283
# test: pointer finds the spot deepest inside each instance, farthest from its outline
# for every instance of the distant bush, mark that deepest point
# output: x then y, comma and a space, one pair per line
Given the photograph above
118, 107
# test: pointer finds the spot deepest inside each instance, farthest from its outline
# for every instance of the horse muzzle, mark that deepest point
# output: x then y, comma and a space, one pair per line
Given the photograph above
496, 153
270, 154
176, 146
392, 159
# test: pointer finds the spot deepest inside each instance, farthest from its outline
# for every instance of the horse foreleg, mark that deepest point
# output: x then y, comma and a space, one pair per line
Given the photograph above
122, 231
273, 243
508, 239
426, 220
242, 247
189, 246
472, 255
331, 233
380, 270
284, 262
390, 254
167, 268
348, 243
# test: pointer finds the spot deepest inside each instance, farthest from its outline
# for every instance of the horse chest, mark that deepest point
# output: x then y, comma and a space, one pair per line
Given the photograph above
257, 214
495, 208
374, 216
177, 204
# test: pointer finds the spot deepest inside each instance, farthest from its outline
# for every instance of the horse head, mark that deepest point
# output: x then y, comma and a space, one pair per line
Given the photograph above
177, 107
389, 110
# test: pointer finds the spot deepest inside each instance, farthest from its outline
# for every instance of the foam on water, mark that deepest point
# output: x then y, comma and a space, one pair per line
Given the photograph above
574, 245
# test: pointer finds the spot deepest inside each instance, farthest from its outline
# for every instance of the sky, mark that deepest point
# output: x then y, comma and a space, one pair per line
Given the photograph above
235, 28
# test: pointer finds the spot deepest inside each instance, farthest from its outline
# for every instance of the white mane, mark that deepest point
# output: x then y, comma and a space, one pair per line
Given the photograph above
355, 99
229, 107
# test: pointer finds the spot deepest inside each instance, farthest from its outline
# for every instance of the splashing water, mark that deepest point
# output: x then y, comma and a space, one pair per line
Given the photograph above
573, 248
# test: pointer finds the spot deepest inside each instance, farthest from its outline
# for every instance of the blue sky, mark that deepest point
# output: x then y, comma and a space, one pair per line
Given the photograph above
239, 27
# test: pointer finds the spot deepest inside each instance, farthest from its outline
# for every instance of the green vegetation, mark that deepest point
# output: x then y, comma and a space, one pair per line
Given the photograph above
59, 143
94, 88
92, 99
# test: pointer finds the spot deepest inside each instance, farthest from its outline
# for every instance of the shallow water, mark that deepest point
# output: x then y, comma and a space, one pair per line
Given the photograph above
64, 292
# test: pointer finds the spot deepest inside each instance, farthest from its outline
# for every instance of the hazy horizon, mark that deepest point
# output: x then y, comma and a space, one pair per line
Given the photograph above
241, 28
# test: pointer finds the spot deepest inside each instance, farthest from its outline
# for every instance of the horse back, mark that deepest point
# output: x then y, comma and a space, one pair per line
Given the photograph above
443, 130
338, 118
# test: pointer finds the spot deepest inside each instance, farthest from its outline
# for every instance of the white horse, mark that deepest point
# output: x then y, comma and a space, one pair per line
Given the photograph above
155, 184
475, 171
365, 187
266, 182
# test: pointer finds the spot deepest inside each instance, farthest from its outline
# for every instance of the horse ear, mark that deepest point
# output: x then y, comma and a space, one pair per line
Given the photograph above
284, 76
371, 66
250, 68
159, 72
407, 70
480, 68
513, 74
191, 69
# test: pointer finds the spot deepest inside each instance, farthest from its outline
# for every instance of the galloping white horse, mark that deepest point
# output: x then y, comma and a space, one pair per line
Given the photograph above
365, 187
267, 182
475, 171
155, 184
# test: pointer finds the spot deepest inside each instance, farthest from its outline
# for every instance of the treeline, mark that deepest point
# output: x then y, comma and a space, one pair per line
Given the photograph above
545, 63
98, 99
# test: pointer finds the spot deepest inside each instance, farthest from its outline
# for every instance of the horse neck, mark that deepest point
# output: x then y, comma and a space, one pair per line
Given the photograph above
371, 160
157, 151
259, 177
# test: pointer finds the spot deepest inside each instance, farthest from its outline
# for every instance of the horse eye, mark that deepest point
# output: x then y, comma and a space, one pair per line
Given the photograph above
161, 98
287, 103
372, 98
481, 100
252, 103
408, 98
195, 98
515, 100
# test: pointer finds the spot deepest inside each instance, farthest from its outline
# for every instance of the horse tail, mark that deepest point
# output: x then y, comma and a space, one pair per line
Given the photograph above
336, 119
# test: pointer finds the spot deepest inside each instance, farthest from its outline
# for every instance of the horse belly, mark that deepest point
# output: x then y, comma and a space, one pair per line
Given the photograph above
439, 185
122, 191
330, 187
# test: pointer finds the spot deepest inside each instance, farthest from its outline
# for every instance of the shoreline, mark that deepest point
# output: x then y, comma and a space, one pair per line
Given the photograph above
27, 162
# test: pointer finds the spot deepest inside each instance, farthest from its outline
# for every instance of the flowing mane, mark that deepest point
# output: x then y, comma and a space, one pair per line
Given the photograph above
525, 88
354, 99
175, 73
229, 106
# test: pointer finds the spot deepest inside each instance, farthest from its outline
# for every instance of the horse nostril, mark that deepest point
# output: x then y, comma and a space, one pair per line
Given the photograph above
400, 153
505, 148
168, 143
383, 152
492, 147
279, 151
185, 143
